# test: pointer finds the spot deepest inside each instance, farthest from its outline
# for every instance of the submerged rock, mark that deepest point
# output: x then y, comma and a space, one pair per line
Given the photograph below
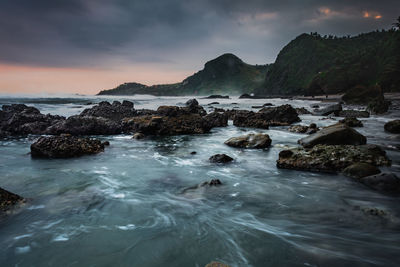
337, 134
393, 126
250, 141
354, 113
220, 158
217, 97
8, 200
351, 122
115, 111
384, 182
331, 158
65, 146
360, 169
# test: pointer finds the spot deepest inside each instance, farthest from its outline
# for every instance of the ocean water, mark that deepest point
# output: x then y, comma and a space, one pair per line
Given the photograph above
128, 206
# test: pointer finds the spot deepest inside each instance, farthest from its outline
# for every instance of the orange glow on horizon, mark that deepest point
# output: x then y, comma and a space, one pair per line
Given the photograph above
366, 14
372, 14
378, 17
27, 79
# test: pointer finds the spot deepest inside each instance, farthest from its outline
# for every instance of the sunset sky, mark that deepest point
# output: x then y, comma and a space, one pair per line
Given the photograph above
84, 46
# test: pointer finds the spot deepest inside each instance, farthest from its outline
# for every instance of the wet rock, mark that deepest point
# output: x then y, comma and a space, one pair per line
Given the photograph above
216, 119
8, 200
360, 169
189, 123
216, 264
192, 106
257, 106
217, 97
213, 103
85, 125
255, 141
19, 119
115, 111
220, 158
138, 136
314, 106
378, 106
332, 109
374, 212
312, 128
337, 134
331, 158
384, 182
106, 143
351, 122
193, 153
268, 105
354, 113
192, 103
65, 146
275, 116
302, 111
245, 96
393, 126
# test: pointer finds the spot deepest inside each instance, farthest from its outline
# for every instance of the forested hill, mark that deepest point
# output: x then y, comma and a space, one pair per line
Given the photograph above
226, 74
312, 64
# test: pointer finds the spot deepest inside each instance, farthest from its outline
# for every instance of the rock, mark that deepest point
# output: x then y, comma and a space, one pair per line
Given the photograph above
65, 146
216, 119
255, 141
19, 119
335, 109
220, 158
192, 103
302, 111
8, 200
276, 116
213, 103
337, 134
351, 122
244, 96
267, 105
115, 111
216, 264
85, 125
378, 106
217, 97
247, 96
360, 170
314, 106
106, 143
384, 182
331, 158
354, 113
193, 153
304, 129
257, 106
138, 136
393, 126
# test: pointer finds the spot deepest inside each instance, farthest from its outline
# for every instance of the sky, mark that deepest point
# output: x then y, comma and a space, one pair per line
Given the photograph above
84, 46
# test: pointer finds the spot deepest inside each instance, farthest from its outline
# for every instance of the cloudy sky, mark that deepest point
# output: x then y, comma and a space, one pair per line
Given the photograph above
83, 46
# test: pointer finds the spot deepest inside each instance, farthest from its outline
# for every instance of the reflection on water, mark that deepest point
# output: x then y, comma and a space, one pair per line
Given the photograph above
128, 206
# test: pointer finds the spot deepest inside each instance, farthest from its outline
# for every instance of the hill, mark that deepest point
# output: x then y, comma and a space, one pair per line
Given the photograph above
312, 64
226, 74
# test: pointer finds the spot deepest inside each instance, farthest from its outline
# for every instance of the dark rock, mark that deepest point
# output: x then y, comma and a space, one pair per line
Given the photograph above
65, 146
351, 122
220, 158
192, 103
314, 106
216, 264
8, 200
217, 97
384, 182
255, 141
304, 129
393, 126
216, 119
244, 96
335, 109
115, 112
354, 113
360, 169
138, 136
106, 143
267, 105
257, 106
214, 103
193, 153
331, 158
285, 153
85, 125
378, 106
302, 111
337, 134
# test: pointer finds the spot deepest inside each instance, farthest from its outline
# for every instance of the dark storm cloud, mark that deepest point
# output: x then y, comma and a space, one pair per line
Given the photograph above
104, 33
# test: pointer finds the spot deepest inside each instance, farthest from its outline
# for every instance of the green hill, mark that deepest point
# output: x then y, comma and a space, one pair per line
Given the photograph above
312, 64
226, 74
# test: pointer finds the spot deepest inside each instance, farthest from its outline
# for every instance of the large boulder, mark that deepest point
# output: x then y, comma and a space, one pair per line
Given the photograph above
335, 109
19, 119
216, 119
85, 125
393, 126
220, 158
272, 116
115, 111
384, 182
331, 158
360, 169
65, 146
8, 200
337, 134
250, 141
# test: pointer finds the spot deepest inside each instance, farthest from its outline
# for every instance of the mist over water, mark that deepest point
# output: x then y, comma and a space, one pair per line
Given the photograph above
128, 206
